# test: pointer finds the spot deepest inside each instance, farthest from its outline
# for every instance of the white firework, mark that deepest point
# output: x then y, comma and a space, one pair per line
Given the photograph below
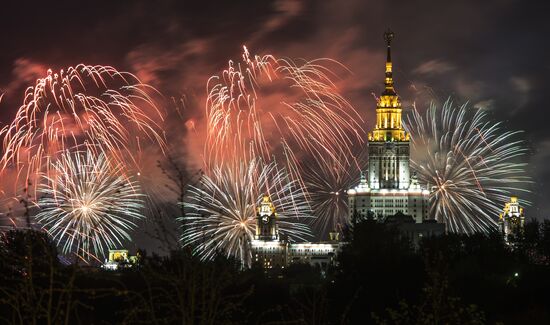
88, 204
222, 209
471, 164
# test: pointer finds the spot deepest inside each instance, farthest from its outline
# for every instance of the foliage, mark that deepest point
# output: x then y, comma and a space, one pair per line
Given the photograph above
379, 279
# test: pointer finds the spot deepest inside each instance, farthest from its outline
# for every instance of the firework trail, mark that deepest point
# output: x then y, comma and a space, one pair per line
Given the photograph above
291, 113
93, 108
470, 162
222, 209
8, 207
327, 187
264, 98
89, 205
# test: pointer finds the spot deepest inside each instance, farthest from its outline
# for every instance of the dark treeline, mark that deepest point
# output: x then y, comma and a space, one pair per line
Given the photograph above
380, 279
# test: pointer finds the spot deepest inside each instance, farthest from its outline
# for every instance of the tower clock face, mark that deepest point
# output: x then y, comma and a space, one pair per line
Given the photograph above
265, 219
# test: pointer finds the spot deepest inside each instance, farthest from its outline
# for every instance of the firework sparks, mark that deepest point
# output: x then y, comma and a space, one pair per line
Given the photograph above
327, 188
88, 205
290, 113
223, 208
93, 108
7, 206
470, 162
246, 109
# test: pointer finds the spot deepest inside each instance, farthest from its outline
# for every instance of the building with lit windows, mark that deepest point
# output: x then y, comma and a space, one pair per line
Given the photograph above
321, 254
271, 251
388, 187
267, 247
511, 220
120, 259
387, 192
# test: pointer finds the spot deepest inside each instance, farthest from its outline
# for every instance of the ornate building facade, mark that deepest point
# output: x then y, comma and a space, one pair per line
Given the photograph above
511, 220
388, 187
271, 251
387, 191
120, 259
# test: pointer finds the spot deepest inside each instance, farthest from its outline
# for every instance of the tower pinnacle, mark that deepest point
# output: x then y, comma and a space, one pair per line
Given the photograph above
388, 83
388, 111
388, 36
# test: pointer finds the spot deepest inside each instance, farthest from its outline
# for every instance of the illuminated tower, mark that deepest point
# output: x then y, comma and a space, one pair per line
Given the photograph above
389, 142
272, 252
267, 248
511, 219
266, 223
388, 187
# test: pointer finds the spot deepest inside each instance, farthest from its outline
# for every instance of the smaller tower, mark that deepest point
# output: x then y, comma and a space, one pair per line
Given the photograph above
511, 220
267, 248
266, 223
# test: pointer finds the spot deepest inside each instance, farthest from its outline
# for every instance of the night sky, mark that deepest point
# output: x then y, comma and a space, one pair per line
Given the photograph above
490, 53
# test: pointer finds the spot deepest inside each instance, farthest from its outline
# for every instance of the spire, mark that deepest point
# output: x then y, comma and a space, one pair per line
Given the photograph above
388, 111
388, 36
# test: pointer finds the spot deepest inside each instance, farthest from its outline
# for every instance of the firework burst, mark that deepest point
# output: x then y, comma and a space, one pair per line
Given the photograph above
263, 98
470, 162
222, 210
94, 108
327, 187
88, 205
291, 113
